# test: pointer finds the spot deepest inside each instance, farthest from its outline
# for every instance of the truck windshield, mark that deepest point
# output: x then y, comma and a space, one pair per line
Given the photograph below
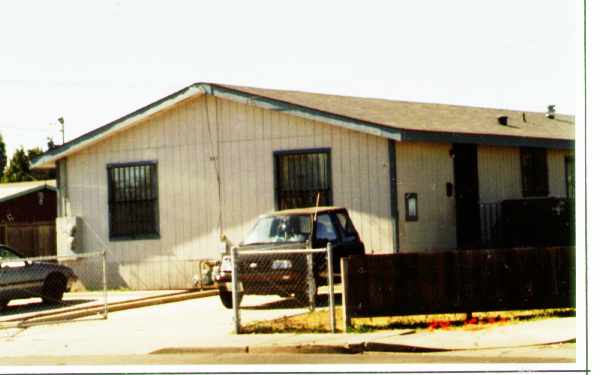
272, 229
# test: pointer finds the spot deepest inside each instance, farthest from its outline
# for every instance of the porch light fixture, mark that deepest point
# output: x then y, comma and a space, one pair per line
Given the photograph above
411, 206
503, 120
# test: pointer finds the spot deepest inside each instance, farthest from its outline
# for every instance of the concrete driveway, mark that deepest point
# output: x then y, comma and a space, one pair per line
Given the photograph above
197, 322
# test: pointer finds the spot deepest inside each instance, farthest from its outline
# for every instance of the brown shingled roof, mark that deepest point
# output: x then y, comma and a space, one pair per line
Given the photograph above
426, 117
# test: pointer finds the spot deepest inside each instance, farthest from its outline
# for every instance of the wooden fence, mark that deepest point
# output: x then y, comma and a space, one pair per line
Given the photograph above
30, 239
458, 281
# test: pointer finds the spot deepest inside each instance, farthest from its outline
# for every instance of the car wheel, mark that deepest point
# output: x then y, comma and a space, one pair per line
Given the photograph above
227, 299
3, 304
53, 289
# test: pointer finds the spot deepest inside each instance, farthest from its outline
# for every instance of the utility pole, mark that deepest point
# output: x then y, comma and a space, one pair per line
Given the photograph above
62, 128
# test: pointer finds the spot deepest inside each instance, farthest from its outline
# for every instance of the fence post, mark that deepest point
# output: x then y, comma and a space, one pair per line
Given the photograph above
310, 282
104, 285
330, 284
234, 289
347, 319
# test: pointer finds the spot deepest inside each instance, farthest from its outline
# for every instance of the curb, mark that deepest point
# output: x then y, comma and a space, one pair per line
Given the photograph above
111, 307
300, 349
328, 349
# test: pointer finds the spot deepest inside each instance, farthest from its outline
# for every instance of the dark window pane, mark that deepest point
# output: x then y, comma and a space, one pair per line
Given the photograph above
534, 172
300, 178
133, 202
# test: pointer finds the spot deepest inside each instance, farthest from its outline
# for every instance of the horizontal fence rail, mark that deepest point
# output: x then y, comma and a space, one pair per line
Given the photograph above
458, 282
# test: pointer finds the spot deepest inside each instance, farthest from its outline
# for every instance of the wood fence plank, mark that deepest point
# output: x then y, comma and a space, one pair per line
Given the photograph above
459, 281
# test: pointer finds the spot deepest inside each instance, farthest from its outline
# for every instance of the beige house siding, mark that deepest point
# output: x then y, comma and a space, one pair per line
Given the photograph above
499, 170
425, 168
204, 136
187, 141
557, 182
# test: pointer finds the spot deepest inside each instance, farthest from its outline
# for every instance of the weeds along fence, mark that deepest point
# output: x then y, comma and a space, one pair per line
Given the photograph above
270, 284
48, 289
461, 281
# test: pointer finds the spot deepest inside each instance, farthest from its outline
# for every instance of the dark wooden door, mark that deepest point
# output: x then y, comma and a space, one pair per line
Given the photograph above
466, 183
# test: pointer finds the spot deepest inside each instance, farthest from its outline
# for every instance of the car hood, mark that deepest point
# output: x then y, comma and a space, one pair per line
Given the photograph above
274, 246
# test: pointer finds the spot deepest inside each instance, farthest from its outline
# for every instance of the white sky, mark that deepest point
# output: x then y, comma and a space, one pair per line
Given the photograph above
92, 62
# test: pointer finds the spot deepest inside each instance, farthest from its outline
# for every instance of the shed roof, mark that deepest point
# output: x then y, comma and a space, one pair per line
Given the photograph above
397, 120
14, 190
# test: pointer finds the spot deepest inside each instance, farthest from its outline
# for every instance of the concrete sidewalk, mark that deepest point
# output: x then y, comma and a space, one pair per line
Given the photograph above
493, 336
202, 325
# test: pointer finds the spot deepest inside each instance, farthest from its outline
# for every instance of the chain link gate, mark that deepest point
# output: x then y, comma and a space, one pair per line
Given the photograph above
295, 275
48, 289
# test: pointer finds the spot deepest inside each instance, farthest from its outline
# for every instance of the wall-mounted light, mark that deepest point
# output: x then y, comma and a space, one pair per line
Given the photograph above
411, 206
503, 120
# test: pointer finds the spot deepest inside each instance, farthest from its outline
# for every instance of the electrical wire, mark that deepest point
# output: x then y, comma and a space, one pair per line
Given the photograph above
216, 157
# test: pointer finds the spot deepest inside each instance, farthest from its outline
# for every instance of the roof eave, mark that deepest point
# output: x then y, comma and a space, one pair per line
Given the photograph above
48, 159
27, 191
487, 139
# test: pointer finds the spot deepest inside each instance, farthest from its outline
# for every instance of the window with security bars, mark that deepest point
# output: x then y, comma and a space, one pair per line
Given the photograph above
534, 172
301, 176
133, 200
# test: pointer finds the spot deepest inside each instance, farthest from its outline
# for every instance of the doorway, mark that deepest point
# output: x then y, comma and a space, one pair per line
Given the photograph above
466, 185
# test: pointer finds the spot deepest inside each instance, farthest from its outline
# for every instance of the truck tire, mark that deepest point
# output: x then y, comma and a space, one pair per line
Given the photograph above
303, 298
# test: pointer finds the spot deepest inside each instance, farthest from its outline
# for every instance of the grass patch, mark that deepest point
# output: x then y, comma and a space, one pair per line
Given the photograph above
318, 321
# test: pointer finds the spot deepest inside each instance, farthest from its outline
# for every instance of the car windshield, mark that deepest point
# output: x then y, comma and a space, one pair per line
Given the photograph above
273, 229
8, 254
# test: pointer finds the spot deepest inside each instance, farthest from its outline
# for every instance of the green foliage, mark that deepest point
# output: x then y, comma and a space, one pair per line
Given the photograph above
19, 167
3, 158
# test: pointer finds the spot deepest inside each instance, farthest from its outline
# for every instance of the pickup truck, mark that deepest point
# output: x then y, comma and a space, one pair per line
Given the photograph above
285, 274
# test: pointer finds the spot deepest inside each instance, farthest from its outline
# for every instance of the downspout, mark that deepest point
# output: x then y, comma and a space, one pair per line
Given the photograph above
394, 194
62, 187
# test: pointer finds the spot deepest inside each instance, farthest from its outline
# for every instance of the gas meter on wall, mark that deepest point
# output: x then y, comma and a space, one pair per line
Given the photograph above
68, 235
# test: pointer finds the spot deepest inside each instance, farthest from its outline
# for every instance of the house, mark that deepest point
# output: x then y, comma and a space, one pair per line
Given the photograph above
27, 216
160, 186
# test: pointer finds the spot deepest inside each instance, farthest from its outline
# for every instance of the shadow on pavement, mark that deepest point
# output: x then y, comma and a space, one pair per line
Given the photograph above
17, 309
292, 303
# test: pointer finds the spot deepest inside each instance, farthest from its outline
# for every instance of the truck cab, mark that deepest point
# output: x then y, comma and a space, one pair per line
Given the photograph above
280, 273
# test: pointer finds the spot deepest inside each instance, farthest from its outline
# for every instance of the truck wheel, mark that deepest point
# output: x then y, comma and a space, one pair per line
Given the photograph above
303, 298
227, 299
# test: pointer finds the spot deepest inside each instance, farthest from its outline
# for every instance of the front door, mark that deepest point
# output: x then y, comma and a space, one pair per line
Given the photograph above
466, 184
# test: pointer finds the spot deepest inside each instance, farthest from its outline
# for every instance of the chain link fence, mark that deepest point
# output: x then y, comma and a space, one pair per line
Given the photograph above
279, 282
51, 288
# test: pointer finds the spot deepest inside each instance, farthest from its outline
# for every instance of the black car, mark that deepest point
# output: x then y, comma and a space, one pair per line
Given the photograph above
285, 273
22, 278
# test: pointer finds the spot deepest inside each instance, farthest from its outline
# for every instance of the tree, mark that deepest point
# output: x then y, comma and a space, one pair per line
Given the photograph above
50, 143
19, 167
3, 158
